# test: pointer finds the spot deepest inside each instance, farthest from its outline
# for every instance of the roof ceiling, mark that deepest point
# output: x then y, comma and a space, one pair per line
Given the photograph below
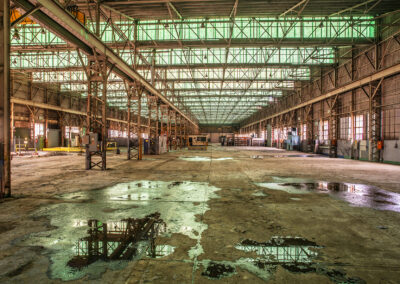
158, 9
245, 55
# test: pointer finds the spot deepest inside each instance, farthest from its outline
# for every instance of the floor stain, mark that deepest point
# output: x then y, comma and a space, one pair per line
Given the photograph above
6, 226
20, 269
216, 270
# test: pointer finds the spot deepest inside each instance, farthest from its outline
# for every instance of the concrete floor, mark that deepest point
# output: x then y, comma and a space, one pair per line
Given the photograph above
362, 243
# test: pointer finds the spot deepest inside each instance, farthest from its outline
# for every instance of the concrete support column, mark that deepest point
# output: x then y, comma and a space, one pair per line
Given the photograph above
169, 128
157, 119
185, 132
12, 123
46, 125
139, 125
149, 117
162, 122
128, 125
175, 129
62, 129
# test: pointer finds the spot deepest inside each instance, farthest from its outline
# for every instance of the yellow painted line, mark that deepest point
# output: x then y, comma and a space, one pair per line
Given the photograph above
71, 149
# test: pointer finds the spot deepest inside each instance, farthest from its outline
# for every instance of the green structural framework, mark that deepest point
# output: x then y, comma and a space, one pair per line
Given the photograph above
220, 70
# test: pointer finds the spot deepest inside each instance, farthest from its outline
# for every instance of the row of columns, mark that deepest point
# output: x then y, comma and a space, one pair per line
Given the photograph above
304, 116
97, 72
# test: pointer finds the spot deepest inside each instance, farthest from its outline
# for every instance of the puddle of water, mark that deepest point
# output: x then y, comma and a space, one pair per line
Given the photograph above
294, 254
124, 240
203, 159
222, 159
162, 251
356, 194
178, 203
195, 159
297, 156
257, 157
295, 188
259, 193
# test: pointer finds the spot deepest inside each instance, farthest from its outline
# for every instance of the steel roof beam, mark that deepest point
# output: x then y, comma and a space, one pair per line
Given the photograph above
350, 86
85, 40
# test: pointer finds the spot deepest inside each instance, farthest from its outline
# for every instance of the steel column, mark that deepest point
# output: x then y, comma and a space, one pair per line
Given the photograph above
96, 119
139, 92
374, 123
5, 187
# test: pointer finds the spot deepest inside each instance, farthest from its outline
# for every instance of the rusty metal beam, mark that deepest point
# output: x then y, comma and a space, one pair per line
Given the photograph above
19, 101
21, 18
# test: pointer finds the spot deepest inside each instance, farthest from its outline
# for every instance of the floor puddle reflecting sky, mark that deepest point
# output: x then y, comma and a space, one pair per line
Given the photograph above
295, 254
178, 203
203, 159
356, 194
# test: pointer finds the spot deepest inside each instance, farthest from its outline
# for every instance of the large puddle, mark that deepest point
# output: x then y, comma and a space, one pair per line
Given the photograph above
356, 194
298, 156
123, 240
295, 254
99, 230
91, 228
203, 159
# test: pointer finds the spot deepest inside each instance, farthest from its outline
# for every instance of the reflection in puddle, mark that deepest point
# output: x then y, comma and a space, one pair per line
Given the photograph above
176, 202
356, 194
294, 254
281, 250
297, 156
259, 193
203, 159
124, 240
162, 251
257, 157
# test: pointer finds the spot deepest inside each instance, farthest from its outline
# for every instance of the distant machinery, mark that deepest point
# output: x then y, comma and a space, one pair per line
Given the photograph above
197, 142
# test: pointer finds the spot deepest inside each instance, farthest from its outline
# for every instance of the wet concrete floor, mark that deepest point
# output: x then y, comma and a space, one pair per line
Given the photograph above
233, 219
356, 194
